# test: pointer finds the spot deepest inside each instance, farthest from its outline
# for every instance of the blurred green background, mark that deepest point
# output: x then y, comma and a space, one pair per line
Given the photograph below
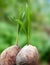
10, 10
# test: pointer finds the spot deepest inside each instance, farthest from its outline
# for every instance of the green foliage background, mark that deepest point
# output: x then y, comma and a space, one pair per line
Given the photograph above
10, 10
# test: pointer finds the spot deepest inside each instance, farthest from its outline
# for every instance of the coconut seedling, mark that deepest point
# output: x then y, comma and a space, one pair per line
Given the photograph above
28, 55
8, 56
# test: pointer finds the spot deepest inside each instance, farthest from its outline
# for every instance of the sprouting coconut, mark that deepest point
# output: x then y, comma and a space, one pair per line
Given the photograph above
28, 55
8, 56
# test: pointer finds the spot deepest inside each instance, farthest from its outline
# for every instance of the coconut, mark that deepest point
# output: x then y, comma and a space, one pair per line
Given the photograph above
8, 56
28, 55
